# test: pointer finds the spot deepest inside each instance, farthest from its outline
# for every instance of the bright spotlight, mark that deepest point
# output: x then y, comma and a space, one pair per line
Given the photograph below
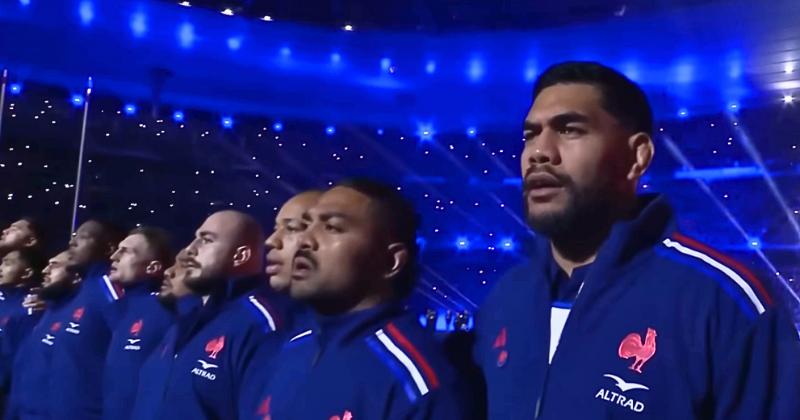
130, 109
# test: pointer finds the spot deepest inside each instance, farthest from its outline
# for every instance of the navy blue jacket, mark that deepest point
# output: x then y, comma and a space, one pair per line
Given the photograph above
15, 324
76, 379
372, 364
141, 327
196, 371
663, 327
31, 373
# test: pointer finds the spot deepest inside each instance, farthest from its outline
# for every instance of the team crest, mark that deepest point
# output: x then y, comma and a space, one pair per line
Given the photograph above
215, 346
55, 326
136, 328
346, 416
633, 347
500, 343
264, 409
77, 314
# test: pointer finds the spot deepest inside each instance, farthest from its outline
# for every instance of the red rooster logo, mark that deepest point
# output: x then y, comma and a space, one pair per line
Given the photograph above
264, 409
136, 328
632, 346
214, 346
77, 314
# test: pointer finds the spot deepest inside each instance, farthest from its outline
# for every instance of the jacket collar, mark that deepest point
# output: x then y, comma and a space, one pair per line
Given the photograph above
341, 329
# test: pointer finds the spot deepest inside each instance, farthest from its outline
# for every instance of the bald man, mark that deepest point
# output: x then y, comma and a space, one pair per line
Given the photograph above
282, 245
196, 371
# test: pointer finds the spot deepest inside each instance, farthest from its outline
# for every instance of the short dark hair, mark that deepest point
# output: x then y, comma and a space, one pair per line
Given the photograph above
35, 260
36, 230
110, 232
622, 97
401, 220
160, 241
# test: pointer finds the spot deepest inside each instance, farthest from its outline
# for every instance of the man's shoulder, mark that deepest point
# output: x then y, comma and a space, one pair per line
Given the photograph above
410, 352
693, 268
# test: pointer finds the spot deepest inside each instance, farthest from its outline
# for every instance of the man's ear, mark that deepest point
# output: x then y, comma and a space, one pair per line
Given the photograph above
398, 259
641, 144
242, 256
154, 267
31, 242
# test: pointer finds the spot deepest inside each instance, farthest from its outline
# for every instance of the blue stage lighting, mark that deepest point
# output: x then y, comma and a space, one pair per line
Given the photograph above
234, 43
733, 106
472, 132
129, 109
330, 130
25, 2
507, 244
138, 24
380, 131
277, 126
286, 52
227, 122
336, 58
421, 243
86, 12
462, 243
15, 88
386, 63
475, 70
186, 36
178, 116
430, 67
683, 113
754, 243
77, 100
425, 132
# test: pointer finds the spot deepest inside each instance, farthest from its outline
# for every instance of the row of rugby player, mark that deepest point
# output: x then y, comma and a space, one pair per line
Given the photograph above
615, 315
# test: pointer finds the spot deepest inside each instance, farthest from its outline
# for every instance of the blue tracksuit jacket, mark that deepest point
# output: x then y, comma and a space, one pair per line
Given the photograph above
141, 327
15, 324
31, 373
662, 328
373, 364
76, 370
196, 371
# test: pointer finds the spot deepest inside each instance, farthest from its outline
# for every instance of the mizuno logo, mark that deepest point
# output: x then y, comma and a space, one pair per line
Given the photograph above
134, 340
74, 325
625, 386
48, 339
207, 365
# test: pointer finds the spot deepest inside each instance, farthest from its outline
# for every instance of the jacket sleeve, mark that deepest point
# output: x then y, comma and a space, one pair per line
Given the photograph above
758, 375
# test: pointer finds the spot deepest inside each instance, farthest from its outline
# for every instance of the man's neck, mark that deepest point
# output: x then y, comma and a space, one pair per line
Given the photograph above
580, 249
342, 307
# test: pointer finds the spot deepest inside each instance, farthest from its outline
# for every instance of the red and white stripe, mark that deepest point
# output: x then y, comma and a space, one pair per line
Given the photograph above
732, 269
398, 345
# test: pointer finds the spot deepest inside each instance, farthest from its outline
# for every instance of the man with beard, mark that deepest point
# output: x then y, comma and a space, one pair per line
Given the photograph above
618, 315
200, 363
74, 389
173, 293
19, 272
363, 357
24, 233
138, 267
32, 369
